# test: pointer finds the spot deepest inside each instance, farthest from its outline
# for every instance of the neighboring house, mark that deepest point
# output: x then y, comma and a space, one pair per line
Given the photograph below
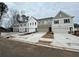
76, 27
25, 24
44, 24
62, 23
3, 29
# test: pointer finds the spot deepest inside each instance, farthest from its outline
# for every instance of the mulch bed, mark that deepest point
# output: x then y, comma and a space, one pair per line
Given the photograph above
49, 35
76, 33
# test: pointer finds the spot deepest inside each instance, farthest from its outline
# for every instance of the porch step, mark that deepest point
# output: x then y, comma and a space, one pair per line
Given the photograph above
45, 41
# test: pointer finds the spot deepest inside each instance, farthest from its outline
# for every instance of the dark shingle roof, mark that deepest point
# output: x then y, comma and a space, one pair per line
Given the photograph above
24, 19
45, 18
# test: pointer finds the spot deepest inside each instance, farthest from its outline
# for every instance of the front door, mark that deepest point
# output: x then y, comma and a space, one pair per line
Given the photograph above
36, 29
71, 29
50, 29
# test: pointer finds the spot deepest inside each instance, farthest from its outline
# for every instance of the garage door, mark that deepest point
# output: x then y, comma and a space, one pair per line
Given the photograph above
60, 30
43, 28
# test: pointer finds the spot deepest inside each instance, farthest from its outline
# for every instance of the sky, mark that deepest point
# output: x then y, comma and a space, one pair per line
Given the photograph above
46, 9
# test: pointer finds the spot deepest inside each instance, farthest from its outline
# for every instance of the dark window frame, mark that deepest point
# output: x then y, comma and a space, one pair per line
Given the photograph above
35, 23
25, 29
66, 20
56, 21
30, 24
24, 24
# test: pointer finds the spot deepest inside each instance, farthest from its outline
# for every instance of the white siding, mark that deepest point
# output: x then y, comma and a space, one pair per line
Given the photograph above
26, 27
62, 27
32, 24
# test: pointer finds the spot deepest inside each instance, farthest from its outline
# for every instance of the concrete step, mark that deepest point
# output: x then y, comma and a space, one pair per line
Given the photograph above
45, 41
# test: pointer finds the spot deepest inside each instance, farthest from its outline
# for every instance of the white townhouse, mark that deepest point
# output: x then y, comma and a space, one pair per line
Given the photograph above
25, 24
44, 24
62, 23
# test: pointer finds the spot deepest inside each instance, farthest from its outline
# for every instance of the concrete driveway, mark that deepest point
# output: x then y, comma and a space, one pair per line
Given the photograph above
66, 41
31, 38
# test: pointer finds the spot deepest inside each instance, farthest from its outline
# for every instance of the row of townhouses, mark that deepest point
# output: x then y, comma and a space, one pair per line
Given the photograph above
61, 23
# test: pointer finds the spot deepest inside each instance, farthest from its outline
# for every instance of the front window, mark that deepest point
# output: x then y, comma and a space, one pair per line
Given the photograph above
25, 29
56, 22
66, 20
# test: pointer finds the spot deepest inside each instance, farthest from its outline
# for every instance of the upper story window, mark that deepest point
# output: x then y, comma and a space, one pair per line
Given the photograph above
17, 25
56, 22
30, 24
35, 23
66, 20
21, 25
39, 22
14, 25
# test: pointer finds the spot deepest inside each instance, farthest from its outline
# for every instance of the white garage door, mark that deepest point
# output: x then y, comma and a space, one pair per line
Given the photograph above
60, 30
43, 28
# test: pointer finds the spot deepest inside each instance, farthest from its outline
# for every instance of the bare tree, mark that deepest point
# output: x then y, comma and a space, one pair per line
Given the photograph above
14, 16
3, 9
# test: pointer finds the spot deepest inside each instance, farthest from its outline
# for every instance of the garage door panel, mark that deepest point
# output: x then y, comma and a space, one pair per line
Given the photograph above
60, 30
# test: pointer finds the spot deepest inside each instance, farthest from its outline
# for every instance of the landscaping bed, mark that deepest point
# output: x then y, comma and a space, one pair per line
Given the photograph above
76, 33
49, 35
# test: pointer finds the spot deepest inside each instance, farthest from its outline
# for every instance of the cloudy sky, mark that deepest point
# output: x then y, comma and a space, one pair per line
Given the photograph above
46, 9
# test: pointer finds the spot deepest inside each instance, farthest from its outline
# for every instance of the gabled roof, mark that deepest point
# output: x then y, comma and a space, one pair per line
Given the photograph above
34, 17
45, 18
62, 14
24, 19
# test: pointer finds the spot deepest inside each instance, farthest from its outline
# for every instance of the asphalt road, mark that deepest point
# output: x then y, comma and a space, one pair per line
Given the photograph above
9, 48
